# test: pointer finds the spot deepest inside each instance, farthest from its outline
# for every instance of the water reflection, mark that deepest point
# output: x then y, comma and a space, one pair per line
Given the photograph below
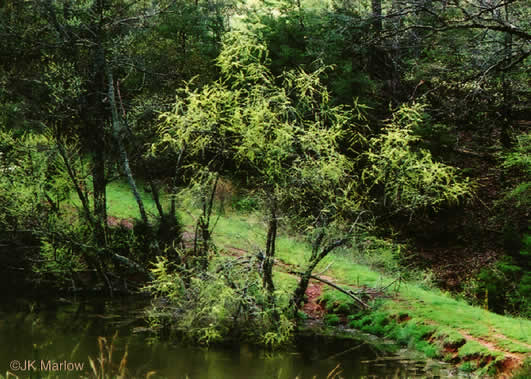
66, 331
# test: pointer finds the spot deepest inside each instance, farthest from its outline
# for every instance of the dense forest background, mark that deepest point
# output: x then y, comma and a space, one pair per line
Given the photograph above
385, 120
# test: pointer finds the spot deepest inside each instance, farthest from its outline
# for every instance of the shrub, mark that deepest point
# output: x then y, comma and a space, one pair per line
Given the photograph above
506, 286
226, 302
408, 180
246, 204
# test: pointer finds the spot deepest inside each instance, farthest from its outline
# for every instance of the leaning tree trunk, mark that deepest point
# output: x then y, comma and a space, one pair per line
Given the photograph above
118, 135
298, 295
317, 256
174, 187
156, 198
99, 188
202, 237
81, 193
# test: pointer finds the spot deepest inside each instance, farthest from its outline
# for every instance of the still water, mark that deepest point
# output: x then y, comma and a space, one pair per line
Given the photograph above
40, 334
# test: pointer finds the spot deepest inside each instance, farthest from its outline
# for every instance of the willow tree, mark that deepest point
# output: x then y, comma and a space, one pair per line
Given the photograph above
402, 179
281, 132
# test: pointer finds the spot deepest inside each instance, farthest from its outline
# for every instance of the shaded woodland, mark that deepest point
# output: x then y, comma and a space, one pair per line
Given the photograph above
342, 122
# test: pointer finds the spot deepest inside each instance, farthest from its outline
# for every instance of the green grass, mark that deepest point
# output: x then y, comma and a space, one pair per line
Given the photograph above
430, 311
472, 348
513, 347
122, 204
468, 366
433, 304
450, 336
285, 282
332, 319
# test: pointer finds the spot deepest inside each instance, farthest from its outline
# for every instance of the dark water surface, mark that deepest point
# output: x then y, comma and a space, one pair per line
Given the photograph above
64, 332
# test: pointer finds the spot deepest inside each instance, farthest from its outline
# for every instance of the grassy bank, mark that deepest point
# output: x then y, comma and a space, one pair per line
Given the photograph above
412, 313
420, 317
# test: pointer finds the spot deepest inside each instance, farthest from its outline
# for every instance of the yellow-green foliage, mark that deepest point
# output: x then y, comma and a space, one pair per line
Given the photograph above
410, 178
227, 301
165, 283
25, 178
284, 137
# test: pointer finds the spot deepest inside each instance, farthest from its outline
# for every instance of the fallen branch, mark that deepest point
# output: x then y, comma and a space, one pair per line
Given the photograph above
346, 292
399, 279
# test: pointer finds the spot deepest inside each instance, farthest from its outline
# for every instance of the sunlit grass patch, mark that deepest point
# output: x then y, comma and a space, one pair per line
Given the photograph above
121, 202
293, 251
246, 233
513, 347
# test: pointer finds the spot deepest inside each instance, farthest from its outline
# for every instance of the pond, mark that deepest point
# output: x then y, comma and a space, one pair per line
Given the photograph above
57, 337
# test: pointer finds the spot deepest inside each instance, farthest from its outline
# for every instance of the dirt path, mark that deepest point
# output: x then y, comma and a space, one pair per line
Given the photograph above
312, 308
511, 362
503, 337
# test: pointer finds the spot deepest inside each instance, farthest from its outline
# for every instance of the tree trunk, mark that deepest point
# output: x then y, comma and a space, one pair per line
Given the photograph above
317, 256
505, 135
173, 206
156, 198
375, 59
99, 183
394, 55
118, 135
298, 295
73, 177
269, 259
376, 10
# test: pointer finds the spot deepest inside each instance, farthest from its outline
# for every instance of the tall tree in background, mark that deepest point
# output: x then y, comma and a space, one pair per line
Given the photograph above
77, 52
